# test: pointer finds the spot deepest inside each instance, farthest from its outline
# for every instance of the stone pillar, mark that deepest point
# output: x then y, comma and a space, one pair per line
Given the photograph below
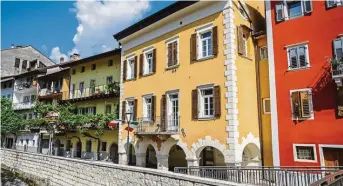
141, 159
122, 158
193, 162
95, 156
56, 151
162, 161
72, 153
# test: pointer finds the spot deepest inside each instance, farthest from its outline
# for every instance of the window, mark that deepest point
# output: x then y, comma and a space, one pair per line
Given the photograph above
298, 57
205, 43
206, 103
292, 9
24, 65
338, 48
33, 98
103, 146
266, 106
93, 66
91, 110
83, 69
334, 3
172, 53
242, 12
130, 69
22, 142
245, 45
110, 62
263, 53
304, 153
26, 99
17, 63
147, 108
243, 36
92, 86
81, 87
9, 96
302, 106
73, 71
148, 62
9, 84
109, 79
173, 111
88, 146
108, 109
130, 106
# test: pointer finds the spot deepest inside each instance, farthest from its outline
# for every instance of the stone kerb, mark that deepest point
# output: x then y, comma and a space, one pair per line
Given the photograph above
65, 171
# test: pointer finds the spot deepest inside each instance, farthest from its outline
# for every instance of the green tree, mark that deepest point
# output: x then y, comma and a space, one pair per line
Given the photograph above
11, 122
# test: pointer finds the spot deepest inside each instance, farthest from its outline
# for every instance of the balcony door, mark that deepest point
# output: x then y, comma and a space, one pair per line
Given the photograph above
173, 112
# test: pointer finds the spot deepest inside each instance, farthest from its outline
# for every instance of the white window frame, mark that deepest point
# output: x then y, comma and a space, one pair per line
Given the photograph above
264, 105
242, 13
339, 38
199, 31
171, 40
90, 110
262, 56
130, 71
297, 46
303, 160
311, 103
130, 108
170, 107
146, 70
245, 44
338, 3
285, 10
201, 98
321, 151
145, 114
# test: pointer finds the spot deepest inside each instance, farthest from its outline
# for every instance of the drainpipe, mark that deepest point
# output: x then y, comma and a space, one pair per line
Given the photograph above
258, 83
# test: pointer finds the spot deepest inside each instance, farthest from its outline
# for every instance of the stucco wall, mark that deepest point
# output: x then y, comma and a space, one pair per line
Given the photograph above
64, 171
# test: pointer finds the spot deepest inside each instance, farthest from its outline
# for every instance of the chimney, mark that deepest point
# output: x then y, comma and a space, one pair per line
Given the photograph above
74, 57
12, 46
61, 59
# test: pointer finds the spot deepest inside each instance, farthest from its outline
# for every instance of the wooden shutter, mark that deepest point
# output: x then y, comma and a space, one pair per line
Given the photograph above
154, 61
240, 40
135, 105
279, 12
153, 108
293, 58
141, 62
302, 57
307, 6
194, 104
163, 112
135, 70
123, 111
305, 104
214, 41
170, 55
175, 52
296, 104
124, 70
193, 49
217, 105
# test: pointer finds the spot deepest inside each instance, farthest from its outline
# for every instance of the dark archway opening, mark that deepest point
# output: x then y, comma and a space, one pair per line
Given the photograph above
114, 153
151, 160
176, 158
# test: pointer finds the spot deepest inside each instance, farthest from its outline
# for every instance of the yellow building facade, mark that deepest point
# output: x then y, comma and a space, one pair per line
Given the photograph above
93, 89
189, 79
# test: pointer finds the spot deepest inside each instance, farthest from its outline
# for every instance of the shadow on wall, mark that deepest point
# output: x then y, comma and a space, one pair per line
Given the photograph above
323, 89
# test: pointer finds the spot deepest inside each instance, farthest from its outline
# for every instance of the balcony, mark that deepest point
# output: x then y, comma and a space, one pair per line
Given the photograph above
23, 105
25, 86
337, 71
159, 126
46, 93
93, 92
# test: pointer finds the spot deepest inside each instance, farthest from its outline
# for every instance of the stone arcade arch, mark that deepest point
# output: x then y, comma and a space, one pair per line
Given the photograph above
176, 158
251, 155
114, 153
151, 158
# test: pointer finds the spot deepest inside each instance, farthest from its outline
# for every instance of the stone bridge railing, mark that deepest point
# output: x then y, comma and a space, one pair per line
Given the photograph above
54, 170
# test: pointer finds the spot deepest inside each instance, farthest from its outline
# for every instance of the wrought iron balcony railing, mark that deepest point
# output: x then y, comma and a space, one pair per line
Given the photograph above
23, 105
92, 91
169, 125
25, 85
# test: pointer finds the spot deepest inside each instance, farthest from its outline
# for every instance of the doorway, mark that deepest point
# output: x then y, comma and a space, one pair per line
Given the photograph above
114, 153
78, 149
333, 156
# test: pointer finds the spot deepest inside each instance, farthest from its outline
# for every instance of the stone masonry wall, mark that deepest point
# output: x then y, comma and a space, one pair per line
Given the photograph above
53, 170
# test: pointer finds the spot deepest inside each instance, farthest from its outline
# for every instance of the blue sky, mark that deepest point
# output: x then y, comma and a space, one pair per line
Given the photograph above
61, 28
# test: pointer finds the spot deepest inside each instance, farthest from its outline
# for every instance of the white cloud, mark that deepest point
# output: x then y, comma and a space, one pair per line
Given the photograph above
99, 20
56, 55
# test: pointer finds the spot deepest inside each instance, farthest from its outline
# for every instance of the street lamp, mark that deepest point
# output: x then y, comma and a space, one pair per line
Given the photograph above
128, 120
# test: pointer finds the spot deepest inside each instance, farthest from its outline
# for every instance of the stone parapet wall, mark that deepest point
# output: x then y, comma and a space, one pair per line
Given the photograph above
53, 170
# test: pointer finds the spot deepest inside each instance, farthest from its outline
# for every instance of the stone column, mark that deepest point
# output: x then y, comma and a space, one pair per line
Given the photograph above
193, 162
56, 151
141, 159
122, 156
72, 153
162, 161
